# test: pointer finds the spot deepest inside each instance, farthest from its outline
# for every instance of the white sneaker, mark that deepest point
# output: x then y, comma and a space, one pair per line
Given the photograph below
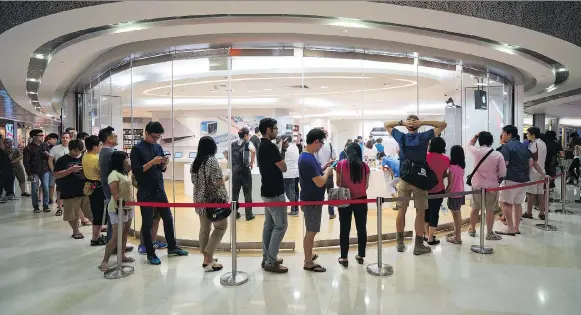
13, 197
3, 200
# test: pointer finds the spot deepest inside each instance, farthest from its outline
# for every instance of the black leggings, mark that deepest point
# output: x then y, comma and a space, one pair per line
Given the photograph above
432, 214
574, 169
359, 211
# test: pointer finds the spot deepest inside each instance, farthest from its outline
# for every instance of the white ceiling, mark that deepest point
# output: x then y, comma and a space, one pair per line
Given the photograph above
68, 63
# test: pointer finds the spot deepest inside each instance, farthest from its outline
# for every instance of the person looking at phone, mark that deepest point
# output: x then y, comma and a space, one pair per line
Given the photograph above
324, 155
148, 164
68, 172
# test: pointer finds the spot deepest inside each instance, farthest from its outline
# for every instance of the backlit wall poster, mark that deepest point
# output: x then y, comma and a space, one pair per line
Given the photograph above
10, 131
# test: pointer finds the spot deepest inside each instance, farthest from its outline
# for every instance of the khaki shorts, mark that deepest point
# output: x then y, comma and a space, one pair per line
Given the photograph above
512, 196
537, 189
19, 173
405, 189
72, 206
490, 200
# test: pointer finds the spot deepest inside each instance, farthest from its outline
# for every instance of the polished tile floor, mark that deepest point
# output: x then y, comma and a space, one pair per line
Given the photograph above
44, 271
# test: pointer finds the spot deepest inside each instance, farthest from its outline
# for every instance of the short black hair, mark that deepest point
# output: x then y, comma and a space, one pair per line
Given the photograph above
511, 130
82, 135
76, 144
485, 138
550, 135
256, 130
457, 156
437, 145
315, 134
413, 117
117, 159
69, 129
34, 132
266, 123
105, 133
379, 140
52, 136
154, 127
243, 132
91, 142
535, 131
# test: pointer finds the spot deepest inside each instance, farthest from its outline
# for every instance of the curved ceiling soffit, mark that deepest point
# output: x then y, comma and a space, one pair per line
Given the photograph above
41, 56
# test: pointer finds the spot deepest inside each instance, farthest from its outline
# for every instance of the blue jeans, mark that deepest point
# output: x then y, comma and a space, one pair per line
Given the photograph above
275, 225
44, 180
330, 184
290, 191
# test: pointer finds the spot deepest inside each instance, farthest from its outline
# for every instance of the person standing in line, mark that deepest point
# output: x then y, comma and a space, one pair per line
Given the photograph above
51, 140
518, 161
208, 182
72, 132
55, 153
90, 162
36, 165
243, 155
353, 173
17, 168
119, 184
68, 172
457, 166
255, 139
6, 175
291, 176
492, 168
148, 164
324, 155
108, 139
554, 153
413, 146
271, 166
536, 193
314, 180
440, 164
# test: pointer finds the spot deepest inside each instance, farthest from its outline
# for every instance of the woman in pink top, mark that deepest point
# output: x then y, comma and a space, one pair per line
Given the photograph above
439, 163
353, 174
457, 165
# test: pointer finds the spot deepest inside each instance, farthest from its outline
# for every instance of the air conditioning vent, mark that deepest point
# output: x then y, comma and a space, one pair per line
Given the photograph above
298, 86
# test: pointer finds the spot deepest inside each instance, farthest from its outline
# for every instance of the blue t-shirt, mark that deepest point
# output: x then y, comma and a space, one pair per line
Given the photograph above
416, 144
342, 156
380, 148
392, 163
518, 158
309, 168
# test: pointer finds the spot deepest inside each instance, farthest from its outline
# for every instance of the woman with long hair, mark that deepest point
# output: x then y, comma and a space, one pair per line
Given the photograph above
208, 186
457, 166
440, 164
120, 184
353, 174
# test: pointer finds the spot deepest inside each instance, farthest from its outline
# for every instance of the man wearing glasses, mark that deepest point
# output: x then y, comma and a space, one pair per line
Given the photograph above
148, 163
35, 159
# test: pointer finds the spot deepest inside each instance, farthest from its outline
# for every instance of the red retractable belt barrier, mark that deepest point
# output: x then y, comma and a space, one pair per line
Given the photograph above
542, 181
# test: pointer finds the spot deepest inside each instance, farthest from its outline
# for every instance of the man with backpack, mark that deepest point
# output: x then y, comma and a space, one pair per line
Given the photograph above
416, 176
243, 155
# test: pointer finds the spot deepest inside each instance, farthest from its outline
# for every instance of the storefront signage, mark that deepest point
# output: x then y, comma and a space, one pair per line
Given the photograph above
9, 131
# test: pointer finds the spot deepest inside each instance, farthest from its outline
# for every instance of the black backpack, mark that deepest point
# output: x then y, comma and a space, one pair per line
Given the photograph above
417, 173
240, 155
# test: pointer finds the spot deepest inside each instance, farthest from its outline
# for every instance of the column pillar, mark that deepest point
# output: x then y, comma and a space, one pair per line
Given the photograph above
554, 123
519, 109
539, 121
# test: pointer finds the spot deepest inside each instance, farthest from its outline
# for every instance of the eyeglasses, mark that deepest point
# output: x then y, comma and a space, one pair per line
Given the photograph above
321, 141
156, 137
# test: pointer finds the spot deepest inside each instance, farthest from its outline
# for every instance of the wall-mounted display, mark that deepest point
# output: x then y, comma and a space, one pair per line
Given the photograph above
131, 137
178, 155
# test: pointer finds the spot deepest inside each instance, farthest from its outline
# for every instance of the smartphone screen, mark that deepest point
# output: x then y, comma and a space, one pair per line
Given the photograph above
334, 164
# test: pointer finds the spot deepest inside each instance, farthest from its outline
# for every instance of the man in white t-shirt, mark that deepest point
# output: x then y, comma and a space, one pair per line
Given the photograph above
291, 176
536, 193
55, 153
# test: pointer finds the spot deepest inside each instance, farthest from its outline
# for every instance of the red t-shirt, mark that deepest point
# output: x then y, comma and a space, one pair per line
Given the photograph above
357, 190
439, 163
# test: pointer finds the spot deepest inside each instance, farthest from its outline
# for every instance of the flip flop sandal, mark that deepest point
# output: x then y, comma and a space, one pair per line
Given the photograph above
315, 256
453, 240
504, 233
102, 268
517, 232
58, 213
344, 263
315, 268
359, 259
451, 234
211, 267
127, 260
86, 223
78, 236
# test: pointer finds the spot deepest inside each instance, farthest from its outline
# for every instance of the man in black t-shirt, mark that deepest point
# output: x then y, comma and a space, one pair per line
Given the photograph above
272, 165
68, 172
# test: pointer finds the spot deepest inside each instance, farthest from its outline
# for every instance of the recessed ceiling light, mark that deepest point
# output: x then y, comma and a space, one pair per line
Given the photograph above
253, 91
30, 92
39, 56
562, 69
268, 89
324, 87
32, 80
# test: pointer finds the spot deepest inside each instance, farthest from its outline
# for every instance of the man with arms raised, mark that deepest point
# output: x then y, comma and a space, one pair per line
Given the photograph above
413, 147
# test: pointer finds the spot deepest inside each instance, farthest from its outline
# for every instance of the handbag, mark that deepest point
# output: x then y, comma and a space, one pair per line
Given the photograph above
89, 188
340, 193
417, 173
469, 177
215, 214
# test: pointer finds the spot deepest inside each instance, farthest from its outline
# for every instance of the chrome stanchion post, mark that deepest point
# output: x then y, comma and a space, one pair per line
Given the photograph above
235, 277
481, 249
564, 194
379, 269
119, 271
546, 226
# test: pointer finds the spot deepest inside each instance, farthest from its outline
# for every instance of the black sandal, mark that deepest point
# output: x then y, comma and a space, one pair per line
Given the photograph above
359, 259
99, 242
58, 213
344, 263
504, 233
315, 256
78, 236
315, 268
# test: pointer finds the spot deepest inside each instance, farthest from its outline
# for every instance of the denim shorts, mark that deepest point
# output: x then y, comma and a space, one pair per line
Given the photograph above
313, 216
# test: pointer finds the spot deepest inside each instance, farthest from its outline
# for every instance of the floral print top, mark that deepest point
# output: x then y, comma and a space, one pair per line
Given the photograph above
208, 184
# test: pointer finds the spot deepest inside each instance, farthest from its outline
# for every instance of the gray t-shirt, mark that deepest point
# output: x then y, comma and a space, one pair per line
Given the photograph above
58, 151
104, 164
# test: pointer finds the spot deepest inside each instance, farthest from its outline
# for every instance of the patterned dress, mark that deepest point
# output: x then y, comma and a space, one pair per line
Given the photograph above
208, 184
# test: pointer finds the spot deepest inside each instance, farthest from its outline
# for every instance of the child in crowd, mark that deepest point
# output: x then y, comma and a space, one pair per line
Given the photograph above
390, 165
457, 165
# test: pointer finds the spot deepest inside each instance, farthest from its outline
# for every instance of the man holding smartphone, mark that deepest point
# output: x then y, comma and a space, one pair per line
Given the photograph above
148, 163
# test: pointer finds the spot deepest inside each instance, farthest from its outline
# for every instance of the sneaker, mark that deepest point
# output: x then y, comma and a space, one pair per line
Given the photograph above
158, 245
99, 241
12, 197
400, 246
141, 250
25, 195
541, 216
3, 200
45, 209
153, 260
250, 218
434, 242
421, 250
36, 209
493, 237
177, 252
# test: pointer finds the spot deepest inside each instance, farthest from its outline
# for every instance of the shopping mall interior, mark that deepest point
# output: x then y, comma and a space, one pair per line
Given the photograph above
207, 68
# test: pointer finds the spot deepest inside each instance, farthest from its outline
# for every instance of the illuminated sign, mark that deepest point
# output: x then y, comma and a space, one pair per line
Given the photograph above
9, 131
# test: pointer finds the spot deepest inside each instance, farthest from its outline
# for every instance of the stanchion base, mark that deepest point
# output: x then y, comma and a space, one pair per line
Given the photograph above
114, 273
230, 280
481, 250
546, 228
382, 271
564, 212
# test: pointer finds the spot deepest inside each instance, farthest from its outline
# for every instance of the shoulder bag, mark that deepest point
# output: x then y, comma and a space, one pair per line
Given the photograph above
215, 214
417, 173
469, 177
340, 193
